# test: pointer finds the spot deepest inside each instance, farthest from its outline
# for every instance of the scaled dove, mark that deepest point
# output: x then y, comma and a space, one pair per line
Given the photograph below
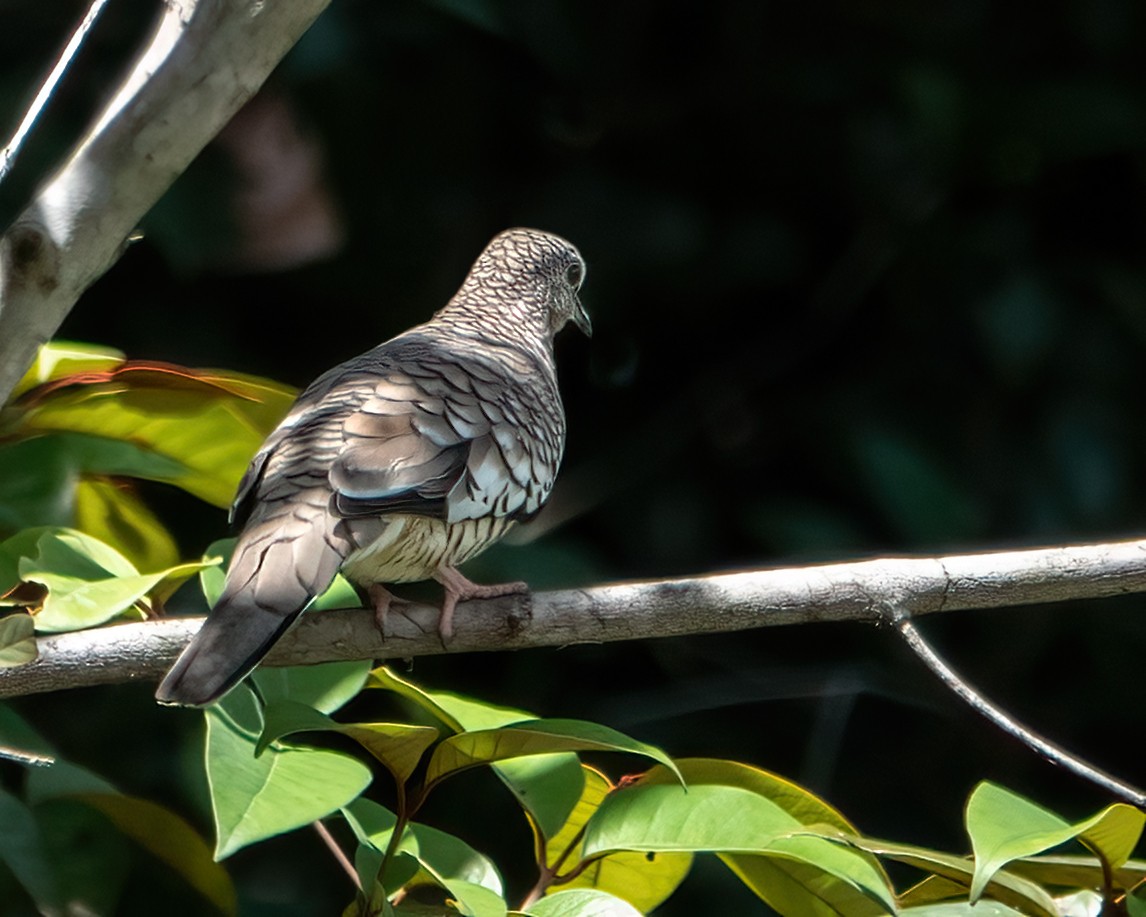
402, 463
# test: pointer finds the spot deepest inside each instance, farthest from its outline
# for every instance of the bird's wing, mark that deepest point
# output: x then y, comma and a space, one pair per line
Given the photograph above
442, 442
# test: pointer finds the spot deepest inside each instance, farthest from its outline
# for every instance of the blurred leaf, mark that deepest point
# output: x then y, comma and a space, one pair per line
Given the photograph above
398, 746
22, 851
113, 513
41, 473
546, 786
921, 498
533, 737
1004, 826
170, 839
59, 359
582, 902
17, 735
480, 13
64, 778
90, 857
17, 640
1136, 902
644, 880
209, 423
1021, 322
283, 789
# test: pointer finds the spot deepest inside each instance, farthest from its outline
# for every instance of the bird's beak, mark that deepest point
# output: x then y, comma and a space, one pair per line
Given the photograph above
581, 318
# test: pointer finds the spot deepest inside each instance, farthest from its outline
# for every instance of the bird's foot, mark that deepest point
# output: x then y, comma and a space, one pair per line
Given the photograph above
460, 589
380, 599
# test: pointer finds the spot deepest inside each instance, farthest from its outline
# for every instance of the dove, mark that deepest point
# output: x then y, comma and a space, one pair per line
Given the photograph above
401, 463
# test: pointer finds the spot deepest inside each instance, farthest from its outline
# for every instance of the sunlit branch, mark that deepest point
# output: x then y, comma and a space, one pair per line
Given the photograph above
204, 60
856, 591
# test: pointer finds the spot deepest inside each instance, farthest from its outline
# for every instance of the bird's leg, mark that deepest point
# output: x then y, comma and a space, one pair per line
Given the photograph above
460, 589
380, 598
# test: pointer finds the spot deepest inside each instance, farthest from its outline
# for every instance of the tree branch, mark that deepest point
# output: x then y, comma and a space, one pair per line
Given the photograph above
205, 59
1007, 723
858, 591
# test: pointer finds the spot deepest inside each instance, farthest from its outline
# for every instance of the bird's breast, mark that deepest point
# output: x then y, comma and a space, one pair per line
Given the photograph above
410, 548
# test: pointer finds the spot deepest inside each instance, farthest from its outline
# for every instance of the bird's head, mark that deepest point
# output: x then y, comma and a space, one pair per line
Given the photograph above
535, 270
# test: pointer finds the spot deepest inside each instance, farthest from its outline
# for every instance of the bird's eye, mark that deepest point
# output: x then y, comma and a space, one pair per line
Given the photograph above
574, 274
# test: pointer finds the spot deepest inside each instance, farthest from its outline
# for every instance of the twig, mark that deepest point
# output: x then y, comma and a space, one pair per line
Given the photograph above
339, 855
31, 116
857, 591
1052, 752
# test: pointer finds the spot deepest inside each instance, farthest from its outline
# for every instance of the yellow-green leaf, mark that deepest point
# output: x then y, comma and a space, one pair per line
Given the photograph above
111, 511
59, 359
209, 422
645, 880
397, 746
1004, 826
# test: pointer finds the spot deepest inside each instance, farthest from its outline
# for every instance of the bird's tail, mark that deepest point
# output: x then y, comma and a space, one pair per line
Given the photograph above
282, 561
236, 636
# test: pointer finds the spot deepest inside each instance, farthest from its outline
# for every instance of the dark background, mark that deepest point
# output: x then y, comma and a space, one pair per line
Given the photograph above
866, 278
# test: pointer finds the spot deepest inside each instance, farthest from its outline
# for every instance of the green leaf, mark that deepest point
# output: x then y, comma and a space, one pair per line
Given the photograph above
17, 640
339, 594
669, 817
88, 582
1023, 894
283, 789
398, 746
792, 884
325, 687
658, 815
208, 422
582, 902
13, 549
211, 578
962, 909
533, 737
645, 880
1004, 826
446, 860
546, 786
1079, 871
59, 359
22, 851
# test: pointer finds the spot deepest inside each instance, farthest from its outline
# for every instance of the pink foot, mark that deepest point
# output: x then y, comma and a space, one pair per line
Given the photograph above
460, 589
380, 598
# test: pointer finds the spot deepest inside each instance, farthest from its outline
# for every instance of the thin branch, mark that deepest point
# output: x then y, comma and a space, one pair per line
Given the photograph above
35, 110
858, 591
1053, 753
338, 853
203, 62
